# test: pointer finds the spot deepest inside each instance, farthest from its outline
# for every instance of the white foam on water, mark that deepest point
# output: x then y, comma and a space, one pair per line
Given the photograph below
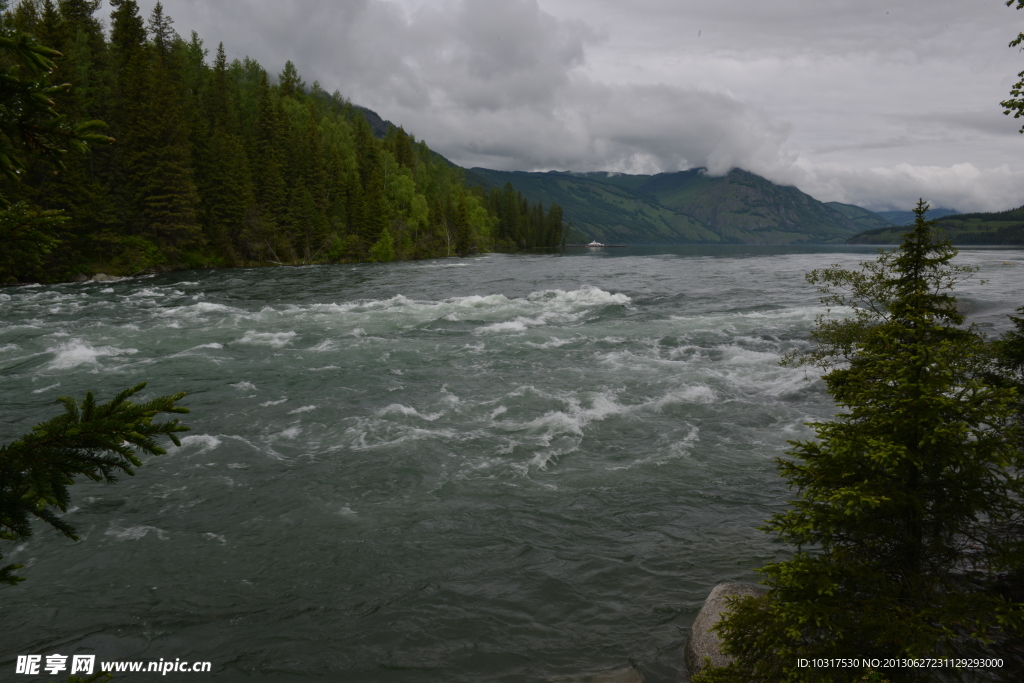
734, 322
358, 332
303, 409
553, 343
147, 292
277, 340
135, 533
369, 434
188, 352
215, 537
108, 290
80, 352
198, 310
291, 432
205, 442
244, 386
5, 297
325, 345
559, 432
538, 308
8, 347
518, 325
697, 393
185, 284
52, 386
399, 409
587, 295
684, 446
680, 448
273, 403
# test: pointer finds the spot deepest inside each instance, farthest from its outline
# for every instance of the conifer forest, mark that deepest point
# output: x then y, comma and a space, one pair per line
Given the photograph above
218, 163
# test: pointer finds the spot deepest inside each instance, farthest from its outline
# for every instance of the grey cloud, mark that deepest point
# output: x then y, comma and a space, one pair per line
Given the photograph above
800, 91
961, 186
497, 83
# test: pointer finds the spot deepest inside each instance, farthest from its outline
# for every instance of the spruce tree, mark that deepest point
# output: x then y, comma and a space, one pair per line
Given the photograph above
907, 502
463, 231
263, 236
289, 82
554, 226
226, 183
160, 161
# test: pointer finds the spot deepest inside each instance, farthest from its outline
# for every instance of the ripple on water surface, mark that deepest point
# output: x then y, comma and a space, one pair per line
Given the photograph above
501, 468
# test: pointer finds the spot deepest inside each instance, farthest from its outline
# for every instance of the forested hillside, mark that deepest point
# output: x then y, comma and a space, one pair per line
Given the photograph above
218, 163
1003, 227
685, 207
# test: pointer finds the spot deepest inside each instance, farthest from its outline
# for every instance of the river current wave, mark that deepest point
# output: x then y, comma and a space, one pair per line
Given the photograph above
500, 468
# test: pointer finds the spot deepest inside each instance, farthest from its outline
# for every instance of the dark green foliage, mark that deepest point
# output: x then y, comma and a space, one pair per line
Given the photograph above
215, 165
522, 226
1008, 362
463, 243
28, 235
908, 515
96, 441
1015, 105
1001, 227
29, 124
686, 207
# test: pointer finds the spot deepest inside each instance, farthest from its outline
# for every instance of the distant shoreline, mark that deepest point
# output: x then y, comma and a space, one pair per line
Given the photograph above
596, 246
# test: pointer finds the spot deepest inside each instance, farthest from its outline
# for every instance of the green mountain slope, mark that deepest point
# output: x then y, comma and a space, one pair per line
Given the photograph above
680, 208
865, 220
601, 210
745, 207
907, 217
1004, 227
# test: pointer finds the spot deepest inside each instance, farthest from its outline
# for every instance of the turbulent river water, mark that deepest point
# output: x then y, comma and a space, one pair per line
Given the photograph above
501, 468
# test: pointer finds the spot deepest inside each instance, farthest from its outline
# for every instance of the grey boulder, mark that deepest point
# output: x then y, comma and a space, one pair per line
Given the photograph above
703, 642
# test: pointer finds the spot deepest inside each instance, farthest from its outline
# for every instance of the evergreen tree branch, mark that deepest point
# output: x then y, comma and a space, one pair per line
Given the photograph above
97, 441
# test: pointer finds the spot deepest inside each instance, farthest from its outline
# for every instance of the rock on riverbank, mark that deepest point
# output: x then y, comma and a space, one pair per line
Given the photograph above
703, 642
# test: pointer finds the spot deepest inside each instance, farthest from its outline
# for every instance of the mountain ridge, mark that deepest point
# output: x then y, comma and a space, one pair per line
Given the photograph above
995, 228
681, 207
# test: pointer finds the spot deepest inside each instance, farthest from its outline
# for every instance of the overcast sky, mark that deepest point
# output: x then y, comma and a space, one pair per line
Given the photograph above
863, 101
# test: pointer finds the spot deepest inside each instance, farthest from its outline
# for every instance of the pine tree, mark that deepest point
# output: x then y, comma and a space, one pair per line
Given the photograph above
908, 502
463, 234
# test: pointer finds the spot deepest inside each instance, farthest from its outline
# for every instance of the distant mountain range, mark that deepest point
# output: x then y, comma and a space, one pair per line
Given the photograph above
1003, 227
692, 207
686, 207
907, 217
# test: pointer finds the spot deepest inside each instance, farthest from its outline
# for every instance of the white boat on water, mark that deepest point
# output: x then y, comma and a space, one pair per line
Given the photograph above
595, 243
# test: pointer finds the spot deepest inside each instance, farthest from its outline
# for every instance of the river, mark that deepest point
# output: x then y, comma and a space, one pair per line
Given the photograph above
499, 468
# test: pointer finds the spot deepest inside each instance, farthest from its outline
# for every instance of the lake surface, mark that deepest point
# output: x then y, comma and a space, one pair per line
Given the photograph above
500, 468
